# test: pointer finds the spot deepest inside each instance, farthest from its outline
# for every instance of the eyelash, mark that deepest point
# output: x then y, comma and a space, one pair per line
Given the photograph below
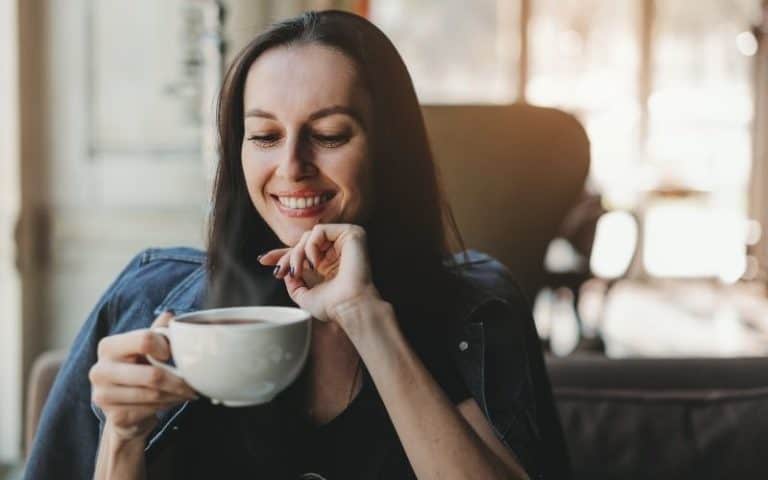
265, 140
329, 141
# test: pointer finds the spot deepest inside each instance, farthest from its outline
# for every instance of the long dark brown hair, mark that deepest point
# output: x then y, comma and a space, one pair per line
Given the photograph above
407, 240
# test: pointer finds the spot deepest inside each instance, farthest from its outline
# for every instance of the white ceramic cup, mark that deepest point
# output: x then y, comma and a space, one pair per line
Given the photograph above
222, 354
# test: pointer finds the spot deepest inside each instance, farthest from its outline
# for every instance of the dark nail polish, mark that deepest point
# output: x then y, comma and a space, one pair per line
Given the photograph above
277, 269
170, 310
292, 271
310, 265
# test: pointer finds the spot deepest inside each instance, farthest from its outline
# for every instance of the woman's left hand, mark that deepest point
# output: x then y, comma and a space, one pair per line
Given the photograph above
337, 269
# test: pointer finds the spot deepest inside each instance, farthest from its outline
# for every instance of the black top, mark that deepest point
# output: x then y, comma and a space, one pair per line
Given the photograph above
275, 441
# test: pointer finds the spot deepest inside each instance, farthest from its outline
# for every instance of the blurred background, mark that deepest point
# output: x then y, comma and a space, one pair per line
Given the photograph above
657, 250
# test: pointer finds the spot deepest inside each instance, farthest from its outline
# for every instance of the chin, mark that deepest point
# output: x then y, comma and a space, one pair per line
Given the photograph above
291, 234
289, 238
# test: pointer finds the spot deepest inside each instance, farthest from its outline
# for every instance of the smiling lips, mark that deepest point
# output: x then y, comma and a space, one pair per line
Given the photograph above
303, 203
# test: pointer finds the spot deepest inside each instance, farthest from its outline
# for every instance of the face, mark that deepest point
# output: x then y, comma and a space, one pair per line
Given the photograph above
305, 151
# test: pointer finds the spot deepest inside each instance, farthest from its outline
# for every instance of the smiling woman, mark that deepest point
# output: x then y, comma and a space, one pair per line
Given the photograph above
420, 366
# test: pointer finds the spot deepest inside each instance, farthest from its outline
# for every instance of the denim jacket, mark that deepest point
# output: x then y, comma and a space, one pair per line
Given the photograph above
491, 353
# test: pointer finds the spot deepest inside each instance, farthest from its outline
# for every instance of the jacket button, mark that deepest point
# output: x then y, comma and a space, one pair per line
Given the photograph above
463, 346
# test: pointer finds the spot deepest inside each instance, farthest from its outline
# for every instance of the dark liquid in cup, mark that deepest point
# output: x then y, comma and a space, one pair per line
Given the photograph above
225, 321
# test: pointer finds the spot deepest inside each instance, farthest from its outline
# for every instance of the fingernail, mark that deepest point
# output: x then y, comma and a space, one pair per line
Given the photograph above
260, 257
292, 271
277, 269
310, 265
170, 311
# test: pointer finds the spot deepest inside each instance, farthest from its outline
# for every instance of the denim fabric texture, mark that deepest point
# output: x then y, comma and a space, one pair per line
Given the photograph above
491, 353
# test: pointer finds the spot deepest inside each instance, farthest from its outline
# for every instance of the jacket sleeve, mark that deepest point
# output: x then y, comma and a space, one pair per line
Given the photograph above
67, 437
517, 390
507, 386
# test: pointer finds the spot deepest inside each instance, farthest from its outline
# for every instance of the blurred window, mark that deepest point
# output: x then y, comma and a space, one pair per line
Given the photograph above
699, 137
663, 89
584, 59
456, 51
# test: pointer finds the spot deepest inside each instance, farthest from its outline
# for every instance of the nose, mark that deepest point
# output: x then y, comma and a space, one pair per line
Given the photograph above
296, 161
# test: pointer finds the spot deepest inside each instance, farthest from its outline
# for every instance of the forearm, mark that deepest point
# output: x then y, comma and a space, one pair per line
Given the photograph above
437, 439
119, 459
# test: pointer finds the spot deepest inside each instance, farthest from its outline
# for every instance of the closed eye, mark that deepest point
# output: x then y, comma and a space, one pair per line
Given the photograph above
264, 139
332, 141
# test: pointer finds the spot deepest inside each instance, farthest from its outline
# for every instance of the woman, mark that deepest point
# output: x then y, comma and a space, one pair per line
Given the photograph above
326, 197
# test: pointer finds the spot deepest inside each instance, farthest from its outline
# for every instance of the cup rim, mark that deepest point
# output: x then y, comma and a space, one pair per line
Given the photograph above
242, 312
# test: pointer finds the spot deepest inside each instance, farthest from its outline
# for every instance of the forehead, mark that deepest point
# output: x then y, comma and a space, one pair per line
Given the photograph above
295, 80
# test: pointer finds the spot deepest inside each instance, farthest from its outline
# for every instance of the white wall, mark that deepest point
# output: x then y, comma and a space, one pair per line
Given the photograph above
124, 157
10, 291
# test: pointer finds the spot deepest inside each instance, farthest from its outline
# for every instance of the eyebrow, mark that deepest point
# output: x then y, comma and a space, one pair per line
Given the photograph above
323, 112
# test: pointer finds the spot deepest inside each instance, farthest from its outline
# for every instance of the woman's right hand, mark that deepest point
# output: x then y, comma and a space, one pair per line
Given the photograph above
127, 389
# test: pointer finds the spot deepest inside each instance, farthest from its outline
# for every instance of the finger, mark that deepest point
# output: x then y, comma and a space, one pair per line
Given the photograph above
332, 231
133, 343
282, 266
163, 319
323, 253
298, 291
271, 257
311, 277
317, 245
298, 254
132, 375
122, 395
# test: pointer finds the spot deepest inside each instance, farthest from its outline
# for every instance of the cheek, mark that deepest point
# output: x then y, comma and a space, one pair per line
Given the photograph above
254, 175
361, 186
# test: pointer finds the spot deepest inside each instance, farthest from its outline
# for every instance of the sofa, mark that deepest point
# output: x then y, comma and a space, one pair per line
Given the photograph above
676, 418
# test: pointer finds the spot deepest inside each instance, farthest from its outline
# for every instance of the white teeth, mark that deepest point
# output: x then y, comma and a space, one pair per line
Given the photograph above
303, 202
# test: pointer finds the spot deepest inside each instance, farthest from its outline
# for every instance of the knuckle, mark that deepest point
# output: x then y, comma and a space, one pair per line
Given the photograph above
162, 319
102, 347
154, 395
155, 377
146, 341
93, 373
97, 373
316, 234
98, 397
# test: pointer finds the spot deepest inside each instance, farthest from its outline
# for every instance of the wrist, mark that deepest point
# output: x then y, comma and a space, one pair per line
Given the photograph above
120, 455
357, 314
121, 437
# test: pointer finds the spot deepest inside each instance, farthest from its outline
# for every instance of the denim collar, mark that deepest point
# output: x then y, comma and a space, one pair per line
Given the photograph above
187, 296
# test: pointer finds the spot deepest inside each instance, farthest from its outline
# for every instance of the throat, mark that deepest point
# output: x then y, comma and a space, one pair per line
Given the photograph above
335, 375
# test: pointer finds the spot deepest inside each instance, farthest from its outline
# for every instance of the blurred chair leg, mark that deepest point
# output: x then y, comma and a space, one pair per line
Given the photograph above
41, 378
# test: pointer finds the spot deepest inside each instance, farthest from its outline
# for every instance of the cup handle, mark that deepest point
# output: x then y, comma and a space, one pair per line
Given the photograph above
175, 371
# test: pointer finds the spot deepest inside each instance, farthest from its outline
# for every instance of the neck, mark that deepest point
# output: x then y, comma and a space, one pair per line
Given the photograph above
333, 378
